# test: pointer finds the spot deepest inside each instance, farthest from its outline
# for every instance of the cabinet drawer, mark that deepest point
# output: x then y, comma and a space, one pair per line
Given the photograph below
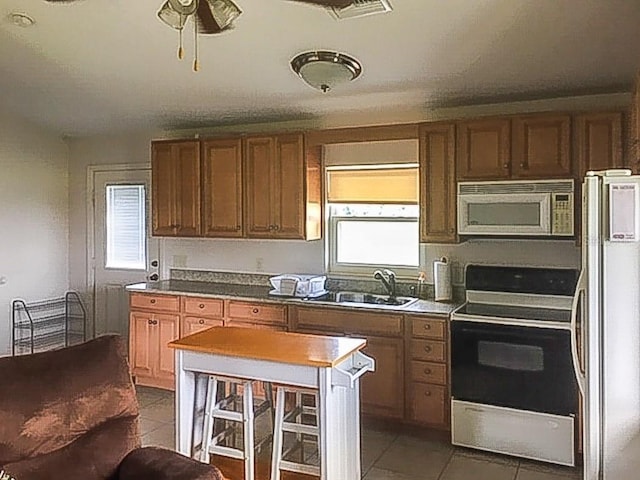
259, 326
423, 327
429, 372
209, 307
165, 303
428, 350
192, 325
257, 312
428, 404
347, 321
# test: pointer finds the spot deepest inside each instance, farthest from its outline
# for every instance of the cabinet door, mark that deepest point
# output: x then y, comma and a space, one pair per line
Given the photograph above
383, 389
163, 191
541, 146
187, 178
259, 154
192, 325
437, 184
289, 189
599, 141
429, 404
483, 149
141, 346
175, 173
167, 329
222, 188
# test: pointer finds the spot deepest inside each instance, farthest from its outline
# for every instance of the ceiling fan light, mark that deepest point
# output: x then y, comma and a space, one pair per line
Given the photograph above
324, 70
224, 12
171, 17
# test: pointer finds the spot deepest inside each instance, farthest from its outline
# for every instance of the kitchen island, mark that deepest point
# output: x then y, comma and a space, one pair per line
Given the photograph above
331, 365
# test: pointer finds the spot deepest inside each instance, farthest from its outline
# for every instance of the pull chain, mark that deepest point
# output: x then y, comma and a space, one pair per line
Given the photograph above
196, 64
180, 49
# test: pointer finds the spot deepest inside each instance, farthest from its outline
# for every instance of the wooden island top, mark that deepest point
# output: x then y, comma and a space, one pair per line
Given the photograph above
284, 347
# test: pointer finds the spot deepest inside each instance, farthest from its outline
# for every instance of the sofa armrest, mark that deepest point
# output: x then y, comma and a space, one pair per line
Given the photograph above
153, 463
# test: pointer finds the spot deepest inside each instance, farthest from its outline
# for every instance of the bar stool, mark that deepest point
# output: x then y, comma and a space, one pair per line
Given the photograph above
227, 408
294, 422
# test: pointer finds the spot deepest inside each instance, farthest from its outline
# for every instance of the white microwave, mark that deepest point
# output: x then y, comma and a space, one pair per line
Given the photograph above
516, 208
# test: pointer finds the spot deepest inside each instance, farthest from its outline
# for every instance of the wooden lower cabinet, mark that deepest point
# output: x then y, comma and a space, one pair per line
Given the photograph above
428, 404
382, 391
152, 361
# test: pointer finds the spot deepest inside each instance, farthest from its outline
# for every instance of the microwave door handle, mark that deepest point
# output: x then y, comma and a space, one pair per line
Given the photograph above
580, 374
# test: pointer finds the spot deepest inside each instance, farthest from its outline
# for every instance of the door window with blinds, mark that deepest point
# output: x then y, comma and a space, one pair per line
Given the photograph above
373, 218
125, 227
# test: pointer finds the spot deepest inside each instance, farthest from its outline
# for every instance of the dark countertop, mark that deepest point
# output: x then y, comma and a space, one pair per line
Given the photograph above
261, 293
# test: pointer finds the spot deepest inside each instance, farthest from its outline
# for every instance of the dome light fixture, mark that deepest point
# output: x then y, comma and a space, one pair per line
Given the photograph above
324, 70
21, 20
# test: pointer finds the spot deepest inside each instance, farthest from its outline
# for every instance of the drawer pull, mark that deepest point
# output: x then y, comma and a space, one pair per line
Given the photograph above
150, 322
201, 322
427, 393
427, 348
427, 371
153, 300
201, 305
255, 310
427, 326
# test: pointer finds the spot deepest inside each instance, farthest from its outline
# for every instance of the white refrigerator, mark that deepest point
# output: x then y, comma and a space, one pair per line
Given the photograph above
606, 325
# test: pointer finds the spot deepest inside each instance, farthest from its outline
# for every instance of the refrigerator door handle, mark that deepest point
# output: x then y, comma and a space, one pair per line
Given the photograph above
580, 289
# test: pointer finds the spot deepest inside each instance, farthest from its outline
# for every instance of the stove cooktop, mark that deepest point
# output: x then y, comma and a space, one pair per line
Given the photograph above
515, 312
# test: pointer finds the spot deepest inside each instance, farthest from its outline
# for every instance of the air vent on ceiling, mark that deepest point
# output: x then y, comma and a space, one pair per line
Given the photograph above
361, 8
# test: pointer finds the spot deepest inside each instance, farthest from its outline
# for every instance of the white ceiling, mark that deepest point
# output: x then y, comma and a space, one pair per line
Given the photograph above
98, 66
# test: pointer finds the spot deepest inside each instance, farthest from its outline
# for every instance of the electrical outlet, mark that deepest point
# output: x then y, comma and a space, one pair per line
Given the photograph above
259, 264
179, 261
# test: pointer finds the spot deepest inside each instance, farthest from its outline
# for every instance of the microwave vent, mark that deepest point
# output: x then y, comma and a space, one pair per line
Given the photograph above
491, 188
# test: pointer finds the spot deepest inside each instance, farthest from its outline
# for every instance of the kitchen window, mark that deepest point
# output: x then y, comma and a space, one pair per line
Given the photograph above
373, 219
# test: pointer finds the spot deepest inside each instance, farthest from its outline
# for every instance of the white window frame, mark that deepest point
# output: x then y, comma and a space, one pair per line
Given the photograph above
363, 269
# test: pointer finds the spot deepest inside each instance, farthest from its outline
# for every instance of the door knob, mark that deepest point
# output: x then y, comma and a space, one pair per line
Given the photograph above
154, 263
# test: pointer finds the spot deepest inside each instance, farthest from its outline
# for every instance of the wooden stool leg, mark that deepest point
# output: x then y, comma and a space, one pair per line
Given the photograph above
207, 431
276, 455
248, 434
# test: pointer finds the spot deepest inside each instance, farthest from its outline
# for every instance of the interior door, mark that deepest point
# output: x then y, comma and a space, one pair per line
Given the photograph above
123, 250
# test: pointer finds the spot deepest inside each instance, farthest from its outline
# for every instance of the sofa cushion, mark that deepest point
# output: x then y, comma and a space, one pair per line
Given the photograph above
51, 399
153, 463
93, 456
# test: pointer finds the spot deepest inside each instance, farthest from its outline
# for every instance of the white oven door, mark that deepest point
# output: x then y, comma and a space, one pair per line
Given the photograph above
504, 214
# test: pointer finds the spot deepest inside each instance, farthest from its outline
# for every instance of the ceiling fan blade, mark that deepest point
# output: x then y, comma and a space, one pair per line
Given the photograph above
206, 23
327, 3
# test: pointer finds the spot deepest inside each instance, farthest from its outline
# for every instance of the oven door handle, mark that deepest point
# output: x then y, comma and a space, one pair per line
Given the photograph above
580, 289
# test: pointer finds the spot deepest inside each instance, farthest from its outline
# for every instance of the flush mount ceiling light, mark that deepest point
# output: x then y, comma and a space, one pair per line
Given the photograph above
20, 20
324, 70
210, 17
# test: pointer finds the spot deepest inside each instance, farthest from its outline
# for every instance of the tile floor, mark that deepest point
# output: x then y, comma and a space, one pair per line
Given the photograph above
386, 455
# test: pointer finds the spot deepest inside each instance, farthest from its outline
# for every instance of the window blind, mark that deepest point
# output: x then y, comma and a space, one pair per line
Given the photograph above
126, 236
372, 185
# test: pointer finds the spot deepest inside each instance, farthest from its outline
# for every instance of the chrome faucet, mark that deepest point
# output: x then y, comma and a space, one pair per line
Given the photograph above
389, 282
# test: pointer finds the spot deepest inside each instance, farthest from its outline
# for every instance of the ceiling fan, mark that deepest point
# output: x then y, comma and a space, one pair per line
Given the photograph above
212, 16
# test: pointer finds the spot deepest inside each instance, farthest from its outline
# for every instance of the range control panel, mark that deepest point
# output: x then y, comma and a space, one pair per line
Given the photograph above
562, 214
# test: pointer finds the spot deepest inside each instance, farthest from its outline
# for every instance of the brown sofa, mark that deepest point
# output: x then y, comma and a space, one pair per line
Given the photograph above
72, 414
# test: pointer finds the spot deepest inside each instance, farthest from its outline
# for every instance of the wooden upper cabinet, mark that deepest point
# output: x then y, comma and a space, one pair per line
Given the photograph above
598, 140
483, 149
222, 188
280, 191
437, 184
176, 188
633, 160
541, 146
259, 185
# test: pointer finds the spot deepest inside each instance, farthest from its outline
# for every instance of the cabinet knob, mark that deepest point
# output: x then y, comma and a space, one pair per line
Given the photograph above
238, 228
276, 227
201, 305
452, 230
523, 165
150, 322
427, 326
427, 371
255, 310
427, 348
505, 166
153, 300
201, 321
427, 393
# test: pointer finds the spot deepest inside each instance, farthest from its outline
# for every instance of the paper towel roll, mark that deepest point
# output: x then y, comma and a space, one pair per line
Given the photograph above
442, 280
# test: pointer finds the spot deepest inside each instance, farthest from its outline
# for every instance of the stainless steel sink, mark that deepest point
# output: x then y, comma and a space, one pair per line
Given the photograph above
368, 299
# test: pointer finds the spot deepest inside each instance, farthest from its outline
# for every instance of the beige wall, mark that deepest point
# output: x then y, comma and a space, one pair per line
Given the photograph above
34, 217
